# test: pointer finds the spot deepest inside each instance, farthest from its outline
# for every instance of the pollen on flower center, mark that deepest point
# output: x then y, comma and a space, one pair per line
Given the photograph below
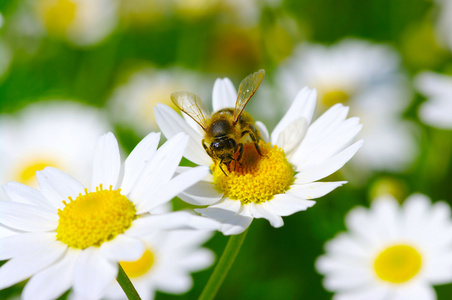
94, 218
139, 267
255, 178
398, 264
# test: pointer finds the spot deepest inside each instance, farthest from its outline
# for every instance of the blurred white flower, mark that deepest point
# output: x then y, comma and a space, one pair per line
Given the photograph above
72, 236
283, 180
166, 264
367, 77
82, 22
132, 104
390, 252
437, 110
60, 134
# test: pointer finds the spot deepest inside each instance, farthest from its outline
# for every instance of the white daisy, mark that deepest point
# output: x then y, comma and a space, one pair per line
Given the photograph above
367, 77
74, 237
81, 22
390, 252
166, 264
437, 110
132, 103
57, 134
278, 183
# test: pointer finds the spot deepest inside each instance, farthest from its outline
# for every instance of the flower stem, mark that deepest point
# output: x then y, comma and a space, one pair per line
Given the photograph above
223, 266
127, 285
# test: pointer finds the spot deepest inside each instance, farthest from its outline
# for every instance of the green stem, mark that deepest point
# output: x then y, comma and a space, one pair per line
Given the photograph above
127, 285
223, 266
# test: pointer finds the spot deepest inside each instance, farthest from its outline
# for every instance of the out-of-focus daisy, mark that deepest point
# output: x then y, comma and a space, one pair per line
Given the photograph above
285, 178
166, 264
132, 103
390, 252
74, 236
437, 110
377, 93
57, 134
82, 22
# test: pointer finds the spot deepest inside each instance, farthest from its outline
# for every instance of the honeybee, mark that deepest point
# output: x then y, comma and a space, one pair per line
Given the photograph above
226, 129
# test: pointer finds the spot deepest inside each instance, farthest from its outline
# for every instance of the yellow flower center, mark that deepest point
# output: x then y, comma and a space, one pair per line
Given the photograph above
255, 178
398, 264
26, 171
333, 97
94, 218
139, 267
57, 15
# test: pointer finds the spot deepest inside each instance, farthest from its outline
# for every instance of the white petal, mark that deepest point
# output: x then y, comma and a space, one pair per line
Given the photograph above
106, 162
260, 211
171, 189
287, 204
60, 275
416, 291
346, 245
171, 123
21, 193
27, 217
198, 260
233, 217
175, 220
302, 108
263, 131
135, 163
314, 190
319, 131
224, 94
289, 139
123, 248
93, 273
58, 186
328, 167
202, 193
160, 169
334, 141
369, 292
28, 263
20, 244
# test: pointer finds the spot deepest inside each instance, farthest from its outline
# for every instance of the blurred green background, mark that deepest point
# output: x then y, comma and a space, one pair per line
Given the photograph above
215, 41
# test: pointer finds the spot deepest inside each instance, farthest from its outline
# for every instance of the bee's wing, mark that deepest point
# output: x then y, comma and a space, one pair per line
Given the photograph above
192, 105
247, 88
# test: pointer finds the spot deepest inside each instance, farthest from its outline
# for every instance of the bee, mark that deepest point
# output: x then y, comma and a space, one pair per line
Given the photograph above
226, 129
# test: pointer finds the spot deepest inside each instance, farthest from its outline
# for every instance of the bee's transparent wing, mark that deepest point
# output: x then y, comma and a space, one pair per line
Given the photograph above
192, 105
247, 88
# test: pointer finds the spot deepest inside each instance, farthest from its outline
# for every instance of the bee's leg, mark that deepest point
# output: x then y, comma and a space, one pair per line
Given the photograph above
255, 137
240, 154
207, 149
221, 163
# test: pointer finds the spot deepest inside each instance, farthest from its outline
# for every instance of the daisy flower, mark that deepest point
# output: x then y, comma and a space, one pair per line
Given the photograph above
378, 93
166, 264
72, 236
437, 110
132, 102
281, 181
54, 133
81, 22
391, 251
